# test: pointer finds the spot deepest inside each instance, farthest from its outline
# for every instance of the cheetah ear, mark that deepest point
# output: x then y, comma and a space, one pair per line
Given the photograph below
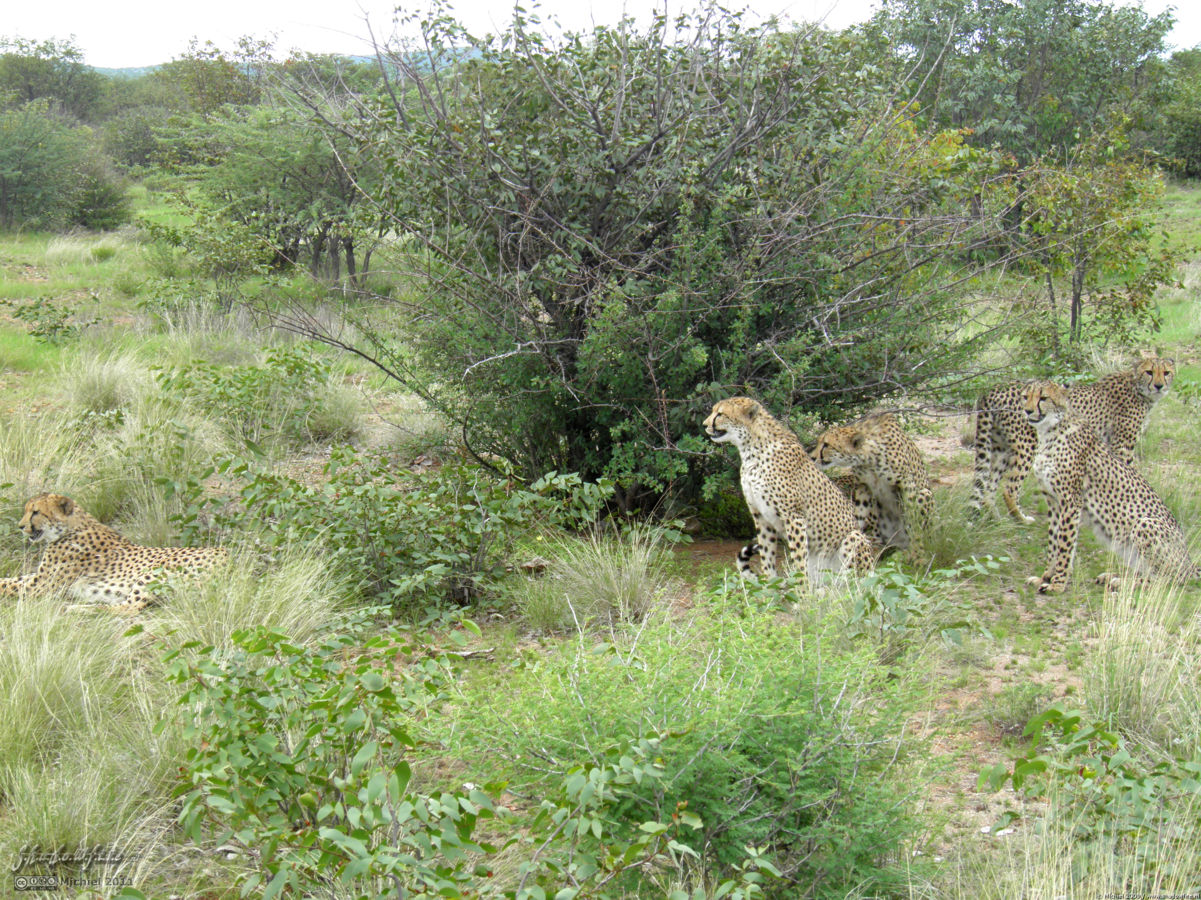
857, 441
66, 505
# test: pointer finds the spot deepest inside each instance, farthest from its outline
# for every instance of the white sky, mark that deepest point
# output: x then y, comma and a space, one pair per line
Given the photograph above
126, 33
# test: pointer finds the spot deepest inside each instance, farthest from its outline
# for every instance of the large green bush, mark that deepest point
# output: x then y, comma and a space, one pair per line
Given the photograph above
611, 231
776, 735
50, 175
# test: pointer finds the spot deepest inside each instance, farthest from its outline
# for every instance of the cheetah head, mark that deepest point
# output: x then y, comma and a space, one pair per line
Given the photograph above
839, 446
731, 420
46, 517
1153, 376
1045, 403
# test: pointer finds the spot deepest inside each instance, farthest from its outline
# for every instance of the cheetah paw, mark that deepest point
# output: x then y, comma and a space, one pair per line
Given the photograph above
1045, 586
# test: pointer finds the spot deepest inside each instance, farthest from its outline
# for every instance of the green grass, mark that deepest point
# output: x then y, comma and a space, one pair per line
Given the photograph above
616, 638
21, 353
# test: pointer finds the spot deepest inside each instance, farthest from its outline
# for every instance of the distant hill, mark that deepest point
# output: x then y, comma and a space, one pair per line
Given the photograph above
132, 72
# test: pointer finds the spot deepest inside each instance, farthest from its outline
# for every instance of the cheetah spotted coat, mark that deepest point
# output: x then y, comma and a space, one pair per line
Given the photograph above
95, 563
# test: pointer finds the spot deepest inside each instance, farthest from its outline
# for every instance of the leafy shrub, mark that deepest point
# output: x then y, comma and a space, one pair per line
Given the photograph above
782, 739
1107, 798
287, 395
894, 609
48, 321
406, 538
582, 845
299, 757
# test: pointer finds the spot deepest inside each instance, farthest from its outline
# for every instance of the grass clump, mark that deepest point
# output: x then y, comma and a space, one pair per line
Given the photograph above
82, 761
97, 383
297, 594
597, 580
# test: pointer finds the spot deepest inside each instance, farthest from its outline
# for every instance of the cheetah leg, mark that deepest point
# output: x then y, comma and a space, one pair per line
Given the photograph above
30, 585
798, 550
765, 544
986, 472
1019, 460
857, 553
1061, 550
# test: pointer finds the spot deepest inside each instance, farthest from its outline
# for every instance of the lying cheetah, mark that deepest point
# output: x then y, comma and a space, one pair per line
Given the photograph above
787, 495
1085, 480
94, 562
885, 460
1116, 406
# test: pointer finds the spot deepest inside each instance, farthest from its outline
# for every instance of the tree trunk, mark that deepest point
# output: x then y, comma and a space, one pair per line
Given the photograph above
351, 273
1078, 274
1054, 315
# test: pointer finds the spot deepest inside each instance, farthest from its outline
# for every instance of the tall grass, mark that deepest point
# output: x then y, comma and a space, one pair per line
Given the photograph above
82, 762
1050, 863
1142, 673
297, 593
597, 580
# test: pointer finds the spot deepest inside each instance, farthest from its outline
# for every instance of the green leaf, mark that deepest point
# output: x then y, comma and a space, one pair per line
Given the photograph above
365, 755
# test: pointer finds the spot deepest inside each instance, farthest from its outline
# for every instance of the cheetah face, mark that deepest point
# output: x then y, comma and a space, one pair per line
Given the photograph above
839, 447
1153, 376
729, 420
1045, 404
45, 518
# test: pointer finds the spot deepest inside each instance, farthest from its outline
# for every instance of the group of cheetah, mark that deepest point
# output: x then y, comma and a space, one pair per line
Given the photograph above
1078, 441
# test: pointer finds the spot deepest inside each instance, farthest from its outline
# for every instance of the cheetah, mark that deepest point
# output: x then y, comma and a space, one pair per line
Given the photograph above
788, 496
94, 562
1085, 480
885, 460
1116, 406
866, 507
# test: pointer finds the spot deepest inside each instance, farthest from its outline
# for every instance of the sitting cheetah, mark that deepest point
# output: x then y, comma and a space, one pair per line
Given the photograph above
1116, 406
1085, 479
94, 562
866, 507
787, 495
885, 460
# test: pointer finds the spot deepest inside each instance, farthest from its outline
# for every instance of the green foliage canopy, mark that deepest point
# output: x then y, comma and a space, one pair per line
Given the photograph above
1028, 75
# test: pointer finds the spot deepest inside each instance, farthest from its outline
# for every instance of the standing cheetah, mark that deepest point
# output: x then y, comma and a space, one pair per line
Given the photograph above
94, 562
1085, 480
787, 495
884, 459
1116, 406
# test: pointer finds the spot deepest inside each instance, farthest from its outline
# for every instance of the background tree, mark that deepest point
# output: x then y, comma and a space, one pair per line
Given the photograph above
268, 171
1092, 217
1029, 76
1179, 129
50, 70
